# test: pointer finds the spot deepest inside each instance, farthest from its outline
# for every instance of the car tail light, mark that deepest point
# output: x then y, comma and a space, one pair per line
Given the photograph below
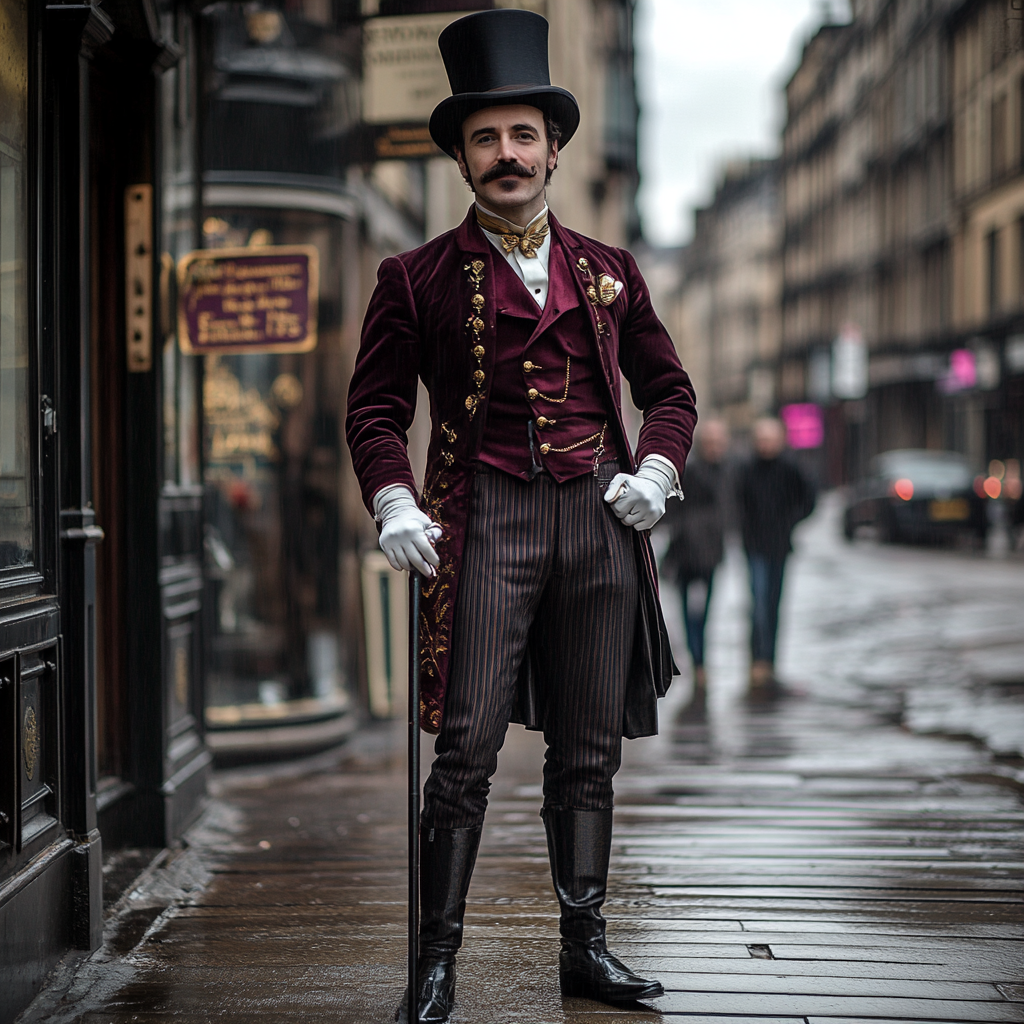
993, 487
902, 488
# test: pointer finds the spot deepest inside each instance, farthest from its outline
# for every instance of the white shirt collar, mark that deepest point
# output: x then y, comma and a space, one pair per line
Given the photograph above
532, 272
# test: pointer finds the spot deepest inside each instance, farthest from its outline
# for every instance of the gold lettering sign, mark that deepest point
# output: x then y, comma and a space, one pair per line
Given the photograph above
30, 742
253, 299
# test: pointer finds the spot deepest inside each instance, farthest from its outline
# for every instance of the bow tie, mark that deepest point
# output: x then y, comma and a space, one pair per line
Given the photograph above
527, 240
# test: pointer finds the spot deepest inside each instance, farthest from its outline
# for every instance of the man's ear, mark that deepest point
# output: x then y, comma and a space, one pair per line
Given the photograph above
553, 155
463, 169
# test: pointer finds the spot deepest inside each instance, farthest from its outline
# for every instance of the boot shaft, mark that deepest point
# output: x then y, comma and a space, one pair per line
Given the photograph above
579, 847
447, 858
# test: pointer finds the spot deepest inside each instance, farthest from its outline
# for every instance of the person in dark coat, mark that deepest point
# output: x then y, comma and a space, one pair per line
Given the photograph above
532, 530
773, 496
695, 528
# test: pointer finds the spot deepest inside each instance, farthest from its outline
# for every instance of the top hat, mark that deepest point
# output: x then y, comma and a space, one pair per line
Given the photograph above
498, 58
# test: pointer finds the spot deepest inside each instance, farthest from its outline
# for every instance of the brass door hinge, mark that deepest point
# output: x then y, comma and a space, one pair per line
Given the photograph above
138, 276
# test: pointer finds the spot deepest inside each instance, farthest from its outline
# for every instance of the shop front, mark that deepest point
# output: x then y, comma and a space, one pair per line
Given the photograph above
101, 575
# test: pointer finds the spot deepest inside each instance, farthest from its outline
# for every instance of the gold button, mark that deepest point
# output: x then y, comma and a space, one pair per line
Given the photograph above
545, 448
528, 366
478, 351
532, 394
478, 376
542, 421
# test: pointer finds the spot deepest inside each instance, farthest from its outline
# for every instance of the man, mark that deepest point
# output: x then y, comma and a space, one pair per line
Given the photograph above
773, 497
695, 549
540, 604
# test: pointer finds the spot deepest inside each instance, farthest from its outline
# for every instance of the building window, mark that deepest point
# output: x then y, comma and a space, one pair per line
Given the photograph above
17, 417
992, 263
1020, 122
998, 149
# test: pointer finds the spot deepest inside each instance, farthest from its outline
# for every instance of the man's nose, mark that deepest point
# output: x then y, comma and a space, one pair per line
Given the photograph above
506, 149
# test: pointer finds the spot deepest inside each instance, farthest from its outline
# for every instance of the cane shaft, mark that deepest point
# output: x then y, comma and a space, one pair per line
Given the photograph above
414, 791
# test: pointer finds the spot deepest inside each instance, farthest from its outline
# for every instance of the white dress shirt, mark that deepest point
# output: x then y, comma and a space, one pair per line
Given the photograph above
533, 272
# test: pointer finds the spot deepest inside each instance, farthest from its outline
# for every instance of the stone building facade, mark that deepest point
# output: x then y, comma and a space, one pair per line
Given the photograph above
902, 193
725, 314
987, 300
867, 210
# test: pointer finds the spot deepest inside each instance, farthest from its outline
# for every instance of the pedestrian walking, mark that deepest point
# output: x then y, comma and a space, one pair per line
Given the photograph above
540, 600
695, 528
773, 495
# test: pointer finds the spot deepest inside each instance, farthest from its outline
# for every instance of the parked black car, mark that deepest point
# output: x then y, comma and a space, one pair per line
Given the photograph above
920, 496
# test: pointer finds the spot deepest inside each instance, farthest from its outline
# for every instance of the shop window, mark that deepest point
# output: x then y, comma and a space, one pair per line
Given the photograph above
180, 372
998, 138
17, 419
272, 454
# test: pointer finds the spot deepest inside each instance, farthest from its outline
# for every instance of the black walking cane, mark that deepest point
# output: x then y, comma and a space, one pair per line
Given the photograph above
414, 793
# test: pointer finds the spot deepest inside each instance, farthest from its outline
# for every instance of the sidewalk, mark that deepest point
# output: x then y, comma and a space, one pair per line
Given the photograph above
828, 869
808, 861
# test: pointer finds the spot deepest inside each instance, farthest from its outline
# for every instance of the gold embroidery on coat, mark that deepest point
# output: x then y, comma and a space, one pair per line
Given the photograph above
477, 325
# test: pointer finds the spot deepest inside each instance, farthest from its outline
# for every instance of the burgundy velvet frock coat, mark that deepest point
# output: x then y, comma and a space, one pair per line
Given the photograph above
433, 317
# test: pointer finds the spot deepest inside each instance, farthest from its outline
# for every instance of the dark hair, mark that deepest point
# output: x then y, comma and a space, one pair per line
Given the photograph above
553, 131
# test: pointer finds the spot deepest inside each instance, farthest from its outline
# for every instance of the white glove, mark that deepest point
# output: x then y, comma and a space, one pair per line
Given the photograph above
407, 535
639, 501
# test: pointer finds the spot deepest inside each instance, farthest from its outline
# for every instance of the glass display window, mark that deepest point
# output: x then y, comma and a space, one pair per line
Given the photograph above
272, 451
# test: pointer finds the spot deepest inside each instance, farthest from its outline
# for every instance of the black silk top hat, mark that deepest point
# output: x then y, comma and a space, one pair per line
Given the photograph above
498, 58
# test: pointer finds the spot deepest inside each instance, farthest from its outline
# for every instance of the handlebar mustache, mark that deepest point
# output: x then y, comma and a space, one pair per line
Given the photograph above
504, 170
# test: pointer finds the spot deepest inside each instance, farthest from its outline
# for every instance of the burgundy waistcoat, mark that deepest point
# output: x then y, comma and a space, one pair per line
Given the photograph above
530, 362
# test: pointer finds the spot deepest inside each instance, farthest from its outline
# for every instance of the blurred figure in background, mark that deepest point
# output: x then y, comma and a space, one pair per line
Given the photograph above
695, 527
773, 496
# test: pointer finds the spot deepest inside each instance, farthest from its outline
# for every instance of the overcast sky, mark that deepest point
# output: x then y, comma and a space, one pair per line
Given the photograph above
709, 74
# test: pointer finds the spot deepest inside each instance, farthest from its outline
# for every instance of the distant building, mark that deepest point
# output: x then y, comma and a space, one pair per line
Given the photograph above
901, 257
867, 224
725, 317
987, 99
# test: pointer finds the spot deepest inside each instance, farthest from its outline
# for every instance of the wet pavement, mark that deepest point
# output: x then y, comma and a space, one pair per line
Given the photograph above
810, 858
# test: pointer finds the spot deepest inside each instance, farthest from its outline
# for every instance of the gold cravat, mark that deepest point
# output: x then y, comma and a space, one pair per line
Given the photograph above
527, 240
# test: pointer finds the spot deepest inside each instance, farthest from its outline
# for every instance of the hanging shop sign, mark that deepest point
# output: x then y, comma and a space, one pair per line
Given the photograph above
805, 425
403, 80
258, 299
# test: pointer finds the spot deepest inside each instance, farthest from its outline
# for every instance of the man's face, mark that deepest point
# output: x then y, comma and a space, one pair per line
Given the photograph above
714, 441
506, 156
769, 438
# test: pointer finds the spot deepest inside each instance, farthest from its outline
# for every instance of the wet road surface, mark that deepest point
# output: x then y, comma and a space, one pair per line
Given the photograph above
804, 859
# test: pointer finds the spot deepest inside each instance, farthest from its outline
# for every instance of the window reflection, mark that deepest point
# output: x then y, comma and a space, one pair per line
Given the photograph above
16, 419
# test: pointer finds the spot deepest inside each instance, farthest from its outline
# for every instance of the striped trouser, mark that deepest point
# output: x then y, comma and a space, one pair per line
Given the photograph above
549, 572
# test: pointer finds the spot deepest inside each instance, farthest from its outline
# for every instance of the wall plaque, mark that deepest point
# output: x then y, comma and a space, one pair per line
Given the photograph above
256, 299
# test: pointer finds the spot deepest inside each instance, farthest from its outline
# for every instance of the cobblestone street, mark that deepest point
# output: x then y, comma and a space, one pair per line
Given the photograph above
811, 859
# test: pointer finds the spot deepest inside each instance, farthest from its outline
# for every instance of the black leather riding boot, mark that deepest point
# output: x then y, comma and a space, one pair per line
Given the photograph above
447, 856
579, 845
